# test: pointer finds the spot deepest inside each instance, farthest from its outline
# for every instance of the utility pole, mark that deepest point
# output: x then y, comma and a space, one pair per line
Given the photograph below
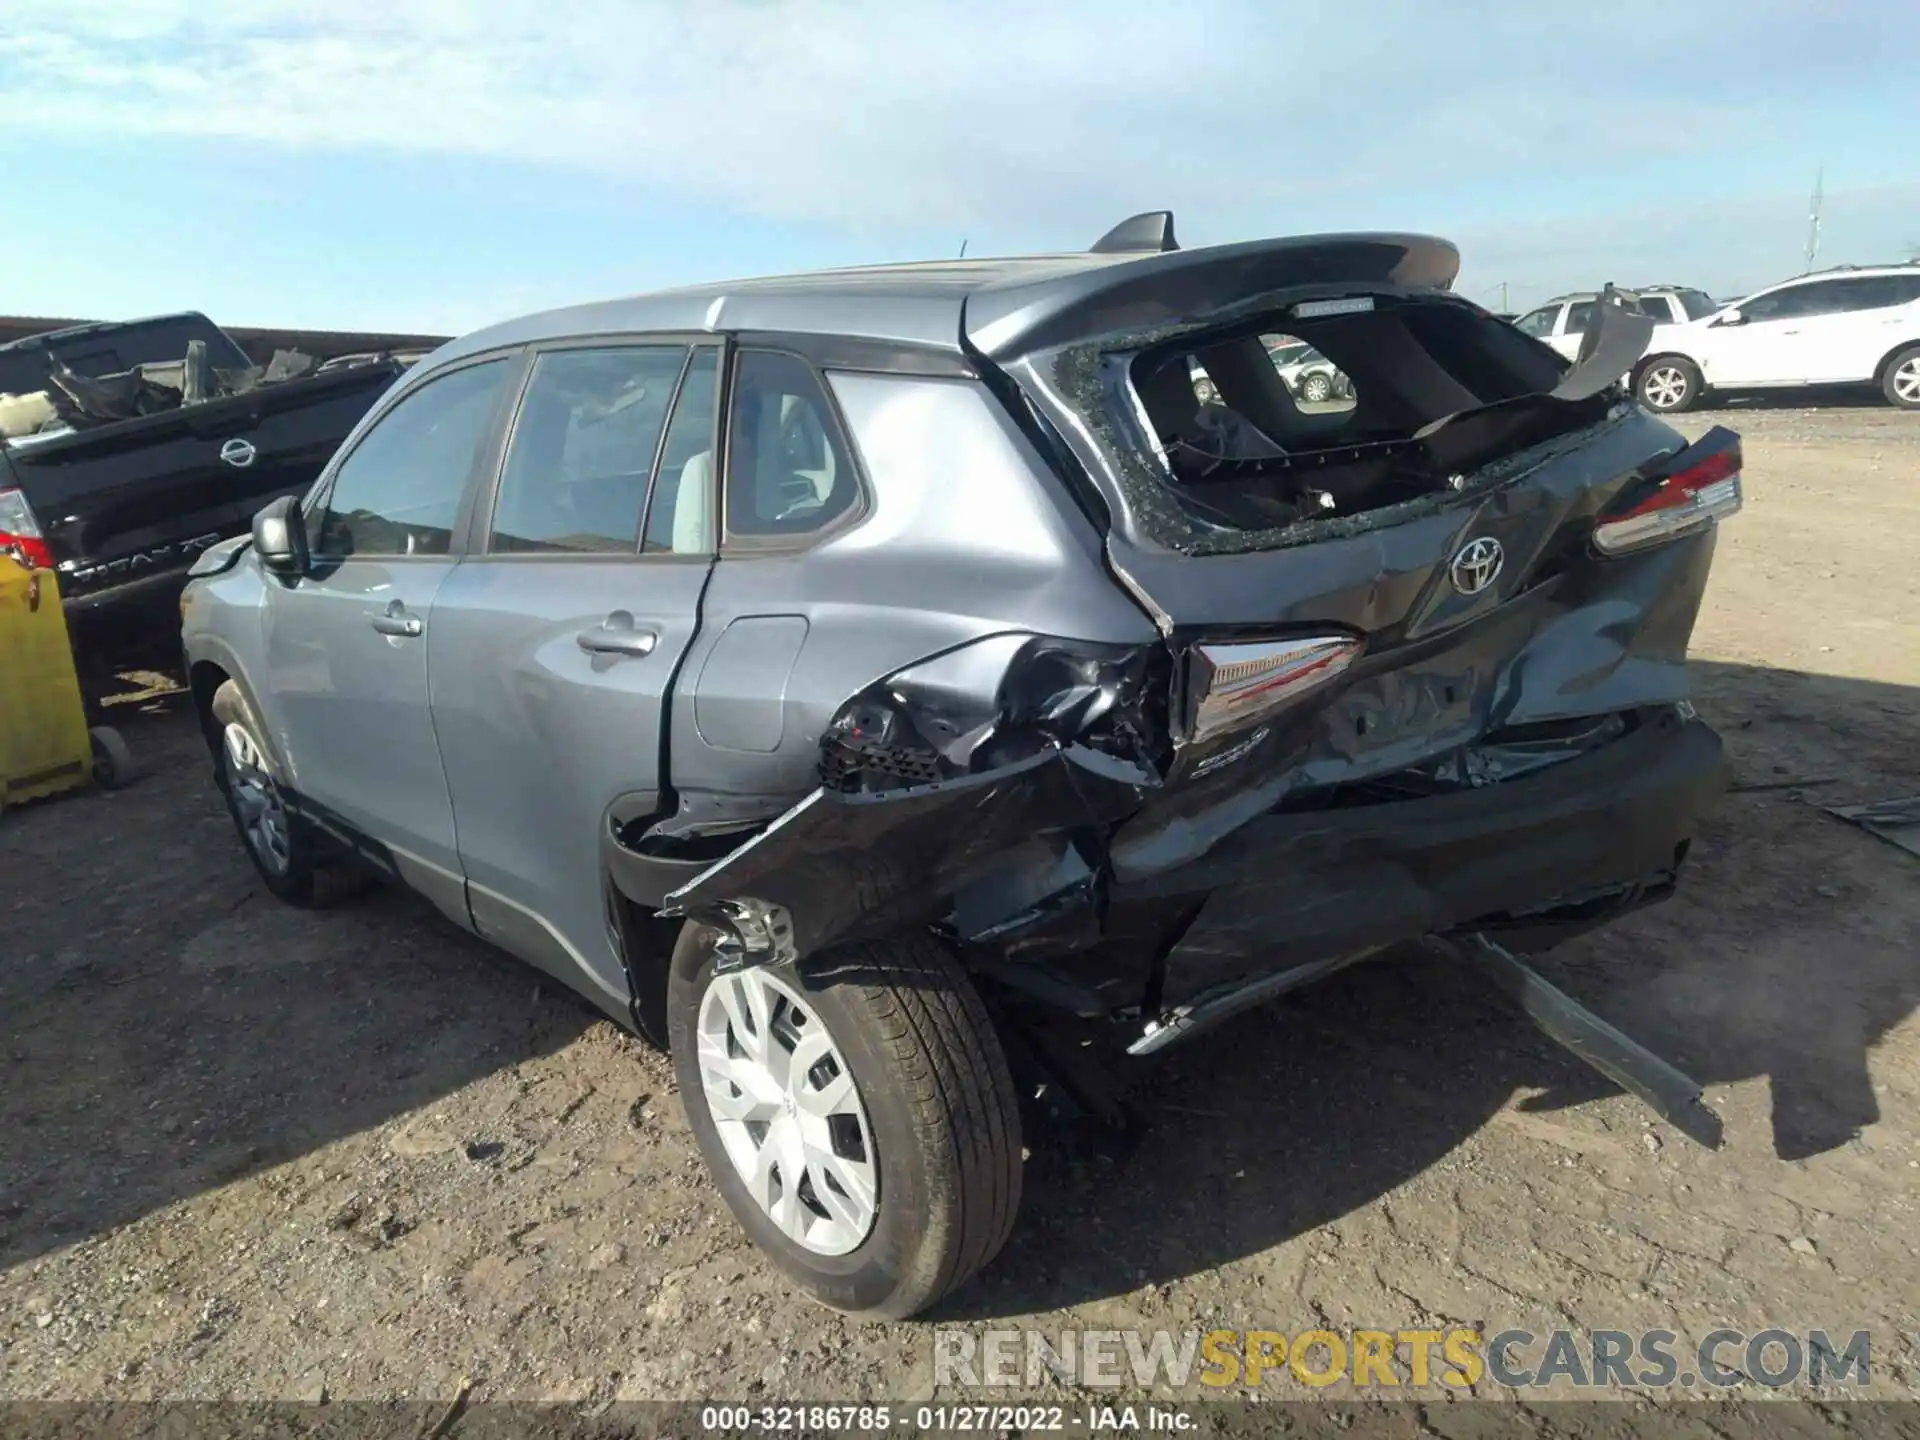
1813, 220
963, 249
1504, 307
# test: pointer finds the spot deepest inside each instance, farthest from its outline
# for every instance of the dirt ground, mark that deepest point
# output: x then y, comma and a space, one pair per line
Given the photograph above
248, 1152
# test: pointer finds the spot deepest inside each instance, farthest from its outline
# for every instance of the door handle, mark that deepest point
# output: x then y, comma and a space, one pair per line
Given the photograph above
397, 622
617, 635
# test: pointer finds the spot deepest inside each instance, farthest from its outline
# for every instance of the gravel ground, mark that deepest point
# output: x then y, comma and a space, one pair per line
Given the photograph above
254, 1153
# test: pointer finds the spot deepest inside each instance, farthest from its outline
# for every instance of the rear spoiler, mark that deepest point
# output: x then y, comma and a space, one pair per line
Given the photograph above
1141, 283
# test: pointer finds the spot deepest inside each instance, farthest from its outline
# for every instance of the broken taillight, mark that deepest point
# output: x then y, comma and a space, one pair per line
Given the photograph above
20, 532
1235, 683
1692, 490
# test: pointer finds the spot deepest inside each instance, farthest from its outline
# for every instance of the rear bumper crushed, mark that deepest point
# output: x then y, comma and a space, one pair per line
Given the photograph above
1534, 853
1013, 860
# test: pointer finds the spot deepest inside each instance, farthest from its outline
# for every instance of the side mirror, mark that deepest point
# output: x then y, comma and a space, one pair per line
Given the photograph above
280, 537
1731, 317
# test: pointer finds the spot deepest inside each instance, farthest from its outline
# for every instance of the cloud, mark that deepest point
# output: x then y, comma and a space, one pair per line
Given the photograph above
1034, 119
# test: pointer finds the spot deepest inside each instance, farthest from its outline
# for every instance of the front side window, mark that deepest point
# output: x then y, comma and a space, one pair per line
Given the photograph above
1787, 304
1580, 316
1697, 304
1539, 323
787, 471
576, 476
1656, 308
398, 492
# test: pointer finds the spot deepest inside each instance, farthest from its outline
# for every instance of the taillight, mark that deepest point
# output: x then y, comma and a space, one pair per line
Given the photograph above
1234, 684
1697, 487
20, 533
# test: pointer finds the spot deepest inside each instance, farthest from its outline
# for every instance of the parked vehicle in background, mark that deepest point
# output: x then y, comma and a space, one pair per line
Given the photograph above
1309, 374
1564, 321
1850, 325
872, 691
130, 448
1310, 377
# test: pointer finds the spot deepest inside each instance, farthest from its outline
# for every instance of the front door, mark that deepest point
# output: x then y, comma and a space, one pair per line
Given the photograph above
554, 646
346, 643
1770, 345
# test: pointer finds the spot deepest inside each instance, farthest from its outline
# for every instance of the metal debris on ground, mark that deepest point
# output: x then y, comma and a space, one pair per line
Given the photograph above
1896, 820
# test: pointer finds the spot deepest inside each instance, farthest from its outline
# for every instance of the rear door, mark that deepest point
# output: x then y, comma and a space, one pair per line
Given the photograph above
1847, 341
554, 646
346, 643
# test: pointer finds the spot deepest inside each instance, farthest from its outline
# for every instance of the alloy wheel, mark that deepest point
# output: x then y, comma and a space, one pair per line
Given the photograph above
1906, 381
256, 801
784, 1102
1664, 387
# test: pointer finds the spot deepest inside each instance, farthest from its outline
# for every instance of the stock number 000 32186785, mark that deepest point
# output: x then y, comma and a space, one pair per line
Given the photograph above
855, 1419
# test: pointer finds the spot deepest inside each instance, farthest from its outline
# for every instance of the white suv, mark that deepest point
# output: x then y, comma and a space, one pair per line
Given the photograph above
1564, 320
1852, 326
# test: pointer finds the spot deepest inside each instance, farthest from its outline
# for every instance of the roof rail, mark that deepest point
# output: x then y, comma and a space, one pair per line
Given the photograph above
1148, 233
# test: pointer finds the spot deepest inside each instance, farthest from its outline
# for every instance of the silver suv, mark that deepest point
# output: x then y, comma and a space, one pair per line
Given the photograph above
854, 680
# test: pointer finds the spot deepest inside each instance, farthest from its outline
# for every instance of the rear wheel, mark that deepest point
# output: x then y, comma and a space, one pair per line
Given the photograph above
858, 1116
1670, 384
1317, 388
292, 857
1902, 379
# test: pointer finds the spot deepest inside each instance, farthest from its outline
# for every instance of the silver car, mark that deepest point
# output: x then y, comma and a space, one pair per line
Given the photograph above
855, 681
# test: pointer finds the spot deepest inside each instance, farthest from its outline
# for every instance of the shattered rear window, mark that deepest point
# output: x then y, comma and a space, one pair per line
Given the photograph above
1260, 467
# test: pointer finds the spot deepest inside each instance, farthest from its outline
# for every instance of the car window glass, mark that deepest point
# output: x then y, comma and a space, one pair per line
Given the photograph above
583, 445
1868, 292
1697, 303
398, 492
1906, 288
1785, 304
1655, 308
680, 517
787, 473
1539, 323
1580, 316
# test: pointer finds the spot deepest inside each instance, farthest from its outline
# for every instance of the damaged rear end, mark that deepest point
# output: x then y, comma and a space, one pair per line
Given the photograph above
1420, 666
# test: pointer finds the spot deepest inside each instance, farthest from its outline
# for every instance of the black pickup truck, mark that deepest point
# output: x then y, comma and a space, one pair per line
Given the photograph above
127, 449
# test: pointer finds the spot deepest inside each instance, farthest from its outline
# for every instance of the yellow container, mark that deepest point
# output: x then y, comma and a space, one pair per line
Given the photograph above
45, 746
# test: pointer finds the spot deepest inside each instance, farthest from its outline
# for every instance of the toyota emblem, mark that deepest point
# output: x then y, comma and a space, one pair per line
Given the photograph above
1477, 565
238, 453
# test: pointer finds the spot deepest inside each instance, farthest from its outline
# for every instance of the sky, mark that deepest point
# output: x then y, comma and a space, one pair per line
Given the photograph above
437, 165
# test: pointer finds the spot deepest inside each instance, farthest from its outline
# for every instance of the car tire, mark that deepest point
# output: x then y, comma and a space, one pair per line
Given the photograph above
296, 862
1669, 384
113, 764
927, 1136
1901, 379
1317, 388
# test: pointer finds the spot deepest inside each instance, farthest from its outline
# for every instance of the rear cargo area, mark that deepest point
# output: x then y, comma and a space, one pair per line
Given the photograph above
1434, 391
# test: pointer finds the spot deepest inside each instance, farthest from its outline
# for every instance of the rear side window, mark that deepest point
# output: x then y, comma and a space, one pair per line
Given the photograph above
787, 470
1697, 304
583, 446
398, 492
1580, 316
680, 516
1876, 292
1657, 308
